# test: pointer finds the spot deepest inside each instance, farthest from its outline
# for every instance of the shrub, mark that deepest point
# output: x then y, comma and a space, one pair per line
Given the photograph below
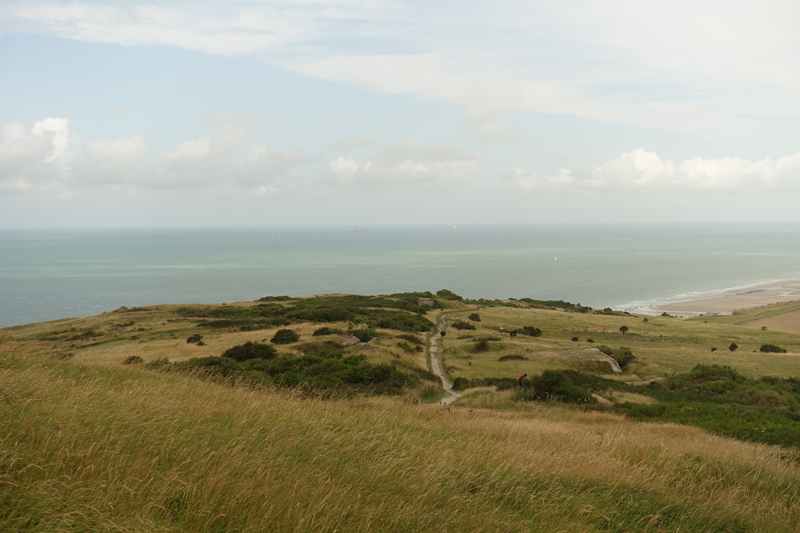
482, 345
665, 314
364, 335
133, 360
714, 373
449, 295
554, 385
574, 339
713, 348
406, 347
645, 319
326, 331
589, 340
623, 329
285, 336
475, 317
250, 350
194, 339
460, 383
733, 347
463, 325
624, 357
771, 348
605, 349
529, 330
513, 358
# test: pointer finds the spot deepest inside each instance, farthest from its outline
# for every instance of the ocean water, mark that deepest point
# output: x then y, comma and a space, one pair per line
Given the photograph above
51, 274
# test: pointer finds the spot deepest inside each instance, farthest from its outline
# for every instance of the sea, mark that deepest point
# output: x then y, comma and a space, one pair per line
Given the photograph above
48, 274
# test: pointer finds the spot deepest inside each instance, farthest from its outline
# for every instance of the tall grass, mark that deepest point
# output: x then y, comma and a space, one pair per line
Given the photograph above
123, 449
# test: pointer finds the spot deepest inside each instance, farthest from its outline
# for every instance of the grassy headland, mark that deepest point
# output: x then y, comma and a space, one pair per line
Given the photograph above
91, 444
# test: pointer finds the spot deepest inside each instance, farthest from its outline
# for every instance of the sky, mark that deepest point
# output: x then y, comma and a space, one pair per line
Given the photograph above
356, 112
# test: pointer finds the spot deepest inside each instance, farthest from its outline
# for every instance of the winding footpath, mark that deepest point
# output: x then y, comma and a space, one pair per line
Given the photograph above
436, 363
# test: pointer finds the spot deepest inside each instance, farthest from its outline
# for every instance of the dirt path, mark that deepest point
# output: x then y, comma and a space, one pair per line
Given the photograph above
436, 364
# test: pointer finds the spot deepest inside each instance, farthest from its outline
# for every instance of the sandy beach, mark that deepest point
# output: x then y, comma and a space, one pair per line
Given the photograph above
729, 301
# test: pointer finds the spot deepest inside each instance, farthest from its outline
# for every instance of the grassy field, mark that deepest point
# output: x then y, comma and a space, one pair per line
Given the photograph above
662, 345
93, 448
90, 444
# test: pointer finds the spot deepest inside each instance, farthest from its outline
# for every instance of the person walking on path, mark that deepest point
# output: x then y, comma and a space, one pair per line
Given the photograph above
522, 378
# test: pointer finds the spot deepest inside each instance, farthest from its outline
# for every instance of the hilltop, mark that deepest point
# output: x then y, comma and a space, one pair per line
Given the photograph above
325, 433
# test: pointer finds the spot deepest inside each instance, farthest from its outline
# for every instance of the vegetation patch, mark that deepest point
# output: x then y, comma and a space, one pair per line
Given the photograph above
554, 385
463, 325
325, 370
513, 358
284, 336
321, 332
771, 348
251, 350
401, 312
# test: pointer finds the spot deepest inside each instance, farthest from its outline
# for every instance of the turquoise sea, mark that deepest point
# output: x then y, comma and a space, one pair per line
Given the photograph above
51, 274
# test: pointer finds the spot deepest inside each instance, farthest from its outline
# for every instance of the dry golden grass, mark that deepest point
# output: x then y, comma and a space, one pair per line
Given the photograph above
125, 449
662, 345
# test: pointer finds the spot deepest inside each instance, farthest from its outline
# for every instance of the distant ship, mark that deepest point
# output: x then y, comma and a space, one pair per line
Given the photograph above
459, 227
555, 258
352, 229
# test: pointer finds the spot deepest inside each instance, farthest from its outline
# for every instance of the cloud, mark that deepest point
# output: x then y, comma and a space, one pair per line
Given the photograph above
108, 162
35, 159
682, 66
204, 161
41, 160
406, 162
261, 165
643, 171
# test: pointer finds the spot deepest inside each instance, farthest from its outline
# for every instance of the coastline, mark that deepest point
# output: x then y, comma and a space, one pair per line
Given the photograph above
726, 301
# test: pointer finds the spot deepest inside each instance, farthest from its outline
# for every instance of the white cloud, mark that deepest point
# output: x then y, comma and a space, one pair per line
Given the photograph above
682, 66
40, 160
261, 164
406, 162
643, 171
110, 161
35, 159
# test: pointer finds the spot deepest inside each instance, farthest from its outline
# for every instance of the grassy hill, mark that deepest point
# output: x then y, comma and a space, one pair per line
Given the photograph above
90, 444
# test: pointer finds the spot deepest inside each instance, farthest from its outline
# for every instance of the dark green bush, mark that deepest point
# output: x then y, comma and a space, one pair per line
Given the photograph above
364, 335
513, 358
554, 385
326, 331
322, 370
461, 383
482, 345
733, 347
771, 348
605, 349
406, 347
449, 295
250, 350
284, 336
475, 317
623, 356
463, 325
530, 331
574, 339
194, 339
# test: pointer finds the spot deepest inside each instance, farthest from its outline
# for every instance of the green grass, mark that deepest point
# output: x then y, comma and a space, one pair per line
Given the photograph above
89, 448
